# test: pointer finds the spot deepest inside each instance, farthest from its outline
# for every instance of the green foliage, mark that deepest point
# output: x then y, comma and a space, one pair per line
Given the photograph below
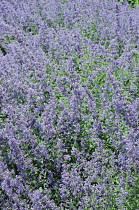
3, 50
92, 33
133, 195
9, 39
133, 3
3, 118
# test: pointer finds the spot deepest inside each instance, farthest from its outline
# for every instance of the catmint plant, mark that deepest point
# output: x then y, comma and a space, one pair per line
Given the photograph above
69, 105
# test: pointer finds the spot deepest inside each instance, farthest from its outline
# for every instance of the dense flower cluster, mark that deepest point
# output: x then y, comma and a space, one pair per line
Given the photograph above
69, 105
